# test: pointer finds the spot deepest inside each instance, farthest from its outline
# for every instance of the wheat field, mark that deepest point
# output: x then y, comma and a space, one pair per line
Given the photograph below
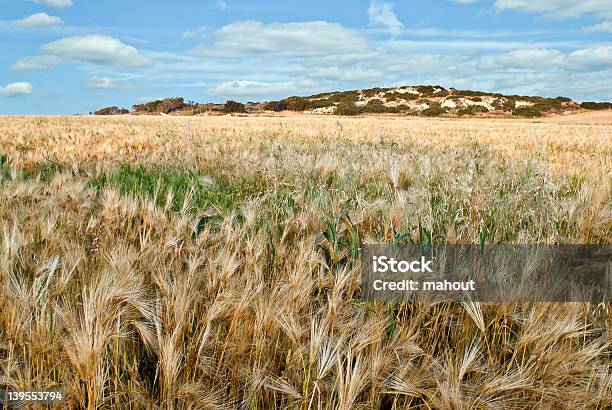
207, 262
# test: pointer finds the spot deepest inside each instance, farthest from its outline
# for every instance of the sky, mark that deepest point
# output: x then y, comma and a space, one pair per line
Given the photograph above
76, 56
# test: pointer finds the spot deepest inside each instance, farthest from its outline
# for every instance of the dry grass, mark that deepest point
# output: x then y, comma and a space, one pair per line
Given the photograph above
174, 262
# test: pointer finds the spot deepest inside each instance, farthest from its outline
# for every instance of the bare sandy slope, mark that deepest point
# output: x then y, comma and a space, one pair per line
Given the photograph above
585, 117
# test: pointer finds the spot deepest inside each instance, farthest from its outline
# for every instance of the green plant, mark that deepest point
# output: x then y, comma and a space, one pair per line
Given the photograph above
472, 110
233, 106
590, 105
434, 110
275, 106
346, 108
527, 111
375, 106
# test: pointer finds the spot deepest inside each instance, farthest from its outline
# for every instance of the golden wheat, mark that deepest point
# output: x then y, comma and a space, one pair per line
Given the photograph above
173, 262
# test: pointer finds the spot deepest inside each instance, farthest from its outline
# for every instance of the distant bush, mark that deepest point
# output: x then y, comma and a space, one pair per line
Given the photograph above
425, 89
114, 110
166, 105
431, 90
409, 96
275, 106
233, 106
498, 104
392, 96
470, 93
531, 111
591, 105
563, 99
320, 103
345, 96
346, 108
509, 104
296, 103
373, 91
472, 110
434, 110
374, 106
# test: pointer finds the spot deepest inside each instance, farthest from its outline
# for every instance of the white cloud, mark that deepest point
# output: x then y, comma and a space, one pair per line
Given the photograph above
596, 58
39, 20
104, 83
298, 40
548, 60
96, 49
16, 89
535, 58
41, 62
247, 88
199, 32
382, 14
606, 26
557, 8
222, 5
60, 4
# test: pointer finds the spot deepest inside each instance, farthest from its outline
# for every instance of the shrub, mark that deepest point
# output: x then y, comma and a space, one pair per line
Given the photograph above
166, 105
375, 106
296, 103
275, 106
425, 89
591, 105
114, 110
233, 106
509, 104
345, 96
563, 99
498, 104
346, 108
527, 112
472, 110
320, 103
434, 110
146, 107
392, 96
409, 96
470, 93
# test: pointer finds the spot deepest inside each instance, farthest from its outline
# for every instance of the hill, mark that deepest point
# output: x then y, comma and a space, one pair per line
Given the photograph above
421, 100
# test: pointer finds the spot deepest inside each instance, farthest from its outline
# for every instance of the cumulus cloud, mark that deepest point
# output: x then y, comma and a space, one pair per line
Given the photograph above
382, 14
16, 89
557, 8
41, 62
104, 83
586, 59
39, 20
606, 26
222, 5
199, 32
97, 49
300, 40
535, 58
596, 58
60, 4
247, 88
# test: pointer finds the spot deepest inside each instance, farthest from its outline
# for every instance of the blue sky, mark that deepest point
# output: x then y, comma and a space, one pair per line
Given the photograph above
75, 56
